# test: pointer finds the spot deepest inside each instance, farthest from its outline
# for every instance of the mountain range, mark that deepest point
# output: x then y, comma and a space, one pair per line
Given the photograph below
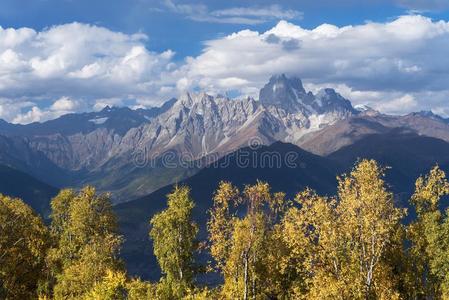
127, 151
289, 137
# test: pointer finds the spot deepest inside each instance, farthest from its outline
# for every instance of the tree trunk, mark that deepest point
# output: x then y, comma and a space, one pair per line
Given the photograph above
254, 277
245, 291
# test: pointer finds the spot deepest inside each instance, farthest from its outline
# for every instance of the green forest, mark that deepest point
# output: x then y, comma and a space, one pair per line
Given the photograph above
358, 244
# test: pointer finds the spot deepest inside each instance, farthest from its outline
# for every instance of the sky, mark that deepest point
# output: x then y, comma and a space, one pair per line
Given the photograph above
63, 56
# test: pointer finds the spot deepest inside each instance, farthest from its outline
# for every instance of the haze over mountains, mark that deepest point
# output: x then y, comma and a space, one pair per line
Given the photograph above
102, 148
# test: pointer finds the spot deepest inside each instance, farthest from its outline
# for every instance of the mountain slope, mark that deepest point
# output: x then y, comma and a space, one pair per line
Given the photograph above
17, 153
32, 191
199, 125
350, 130
101, 148
408, 154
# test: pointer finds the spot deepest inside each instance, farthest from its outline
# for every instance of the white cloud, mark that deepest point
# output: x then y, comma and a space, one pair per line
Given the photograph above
234, 15
272, 11
88, 60
398, 105
34, 113
405, 56
65, 104
102, 103
9, 109
79, 61
81, 67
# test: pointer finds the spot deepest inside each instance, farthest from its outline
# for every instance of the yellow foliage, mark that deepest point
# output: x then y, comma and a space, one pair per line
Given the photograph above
429, 237
173, 233
241, 245
24, 240
87, 243
340, 245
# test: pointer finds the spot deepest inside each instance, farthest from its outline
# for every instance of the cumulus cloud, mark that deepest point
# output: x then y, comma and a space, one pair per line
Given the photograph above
60, 107
234, 15
11, 108
396, 66
81, 61
405, 56
65, 104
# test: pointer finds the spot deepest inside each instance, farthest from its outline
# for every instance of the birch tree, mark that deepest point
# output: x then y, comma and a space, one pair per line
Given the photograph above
23, 244
240, 243
86, 242
173, 232
429, 237
342, 244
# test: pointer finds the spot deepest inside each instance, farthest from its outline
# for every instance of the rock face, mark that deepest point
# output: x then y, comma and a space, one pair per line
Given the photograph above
102, 148
199, 124
290, 95
286, 93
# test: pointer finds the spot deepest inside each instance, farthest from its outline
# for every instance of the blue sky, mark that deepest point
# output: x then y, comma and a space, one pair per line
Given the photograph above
174, 30
72, 55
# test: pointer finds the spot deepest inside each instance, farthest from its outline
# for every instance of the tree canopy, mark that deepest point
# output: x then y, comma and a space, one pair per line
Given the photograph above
355, 244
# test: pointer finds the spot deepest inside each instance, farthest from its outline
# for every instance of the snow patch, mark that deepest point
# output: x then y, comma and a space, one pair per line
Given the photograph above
99, 121
362, 107
277, 87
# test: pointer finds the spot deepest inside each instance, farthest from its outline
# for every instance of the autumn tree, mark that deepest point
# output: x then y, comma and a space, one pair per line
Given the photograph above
23, 244
221, 223
429, 237
112, 287
138, 289
240, 244
173, 233
87, 242
342, 244
310, 230
116, 285
369, 222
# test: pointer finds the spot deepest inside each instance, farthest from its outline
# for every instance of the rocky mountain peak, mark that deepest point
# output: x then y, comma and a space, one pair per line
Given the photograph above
282, 92
189, 99
328, 99
283, 81
289, 94
430, 115
365, 110
107, 108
